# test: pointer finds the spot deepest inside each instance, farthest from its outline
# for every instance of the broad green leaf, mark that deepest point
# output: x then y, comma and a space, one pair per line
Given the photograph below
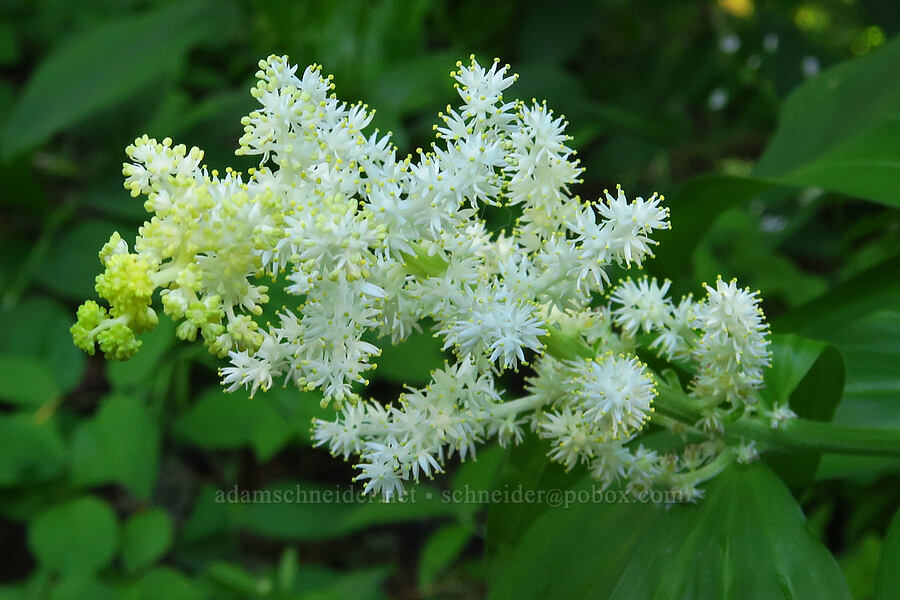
101, 67
871, 348
792, 358
120, 444
79, 585
887, 579
232, 420
874, 290
746, 539
859, 317
32, 449
859, 566
809, 375
39, 328
440, 550
841, 130
26, 381
304, 511
164, 583
527, 468
146, 537
693, 210
78, 536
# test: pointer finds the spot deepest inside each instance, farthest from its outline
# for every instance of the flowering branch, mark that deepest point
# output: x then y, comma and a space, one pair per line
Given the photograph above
368, 241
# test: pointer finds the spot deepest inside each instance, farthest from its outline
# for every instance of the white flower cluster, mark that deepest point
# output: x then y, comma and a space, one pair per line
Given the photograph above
373, 244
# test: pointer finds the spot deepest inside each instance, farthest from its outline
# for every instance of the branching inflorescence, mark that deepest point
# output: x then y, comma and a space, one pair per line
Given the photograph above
373, 245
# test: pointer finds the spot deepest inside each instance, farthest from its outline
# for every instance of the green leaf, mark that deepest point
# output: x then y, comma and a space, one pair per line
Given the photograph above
237, 580
528, 468
164, 583
887, 578
875, 289
841, 130
120, 444
26, 381
320, 583
32, 450
854, 318
78, 536
223, 420
871, 349
39, 328
693, 210
101, 67
304, 511
79, 585
809, 375
146, 537
746, 539
441, 549
860, 565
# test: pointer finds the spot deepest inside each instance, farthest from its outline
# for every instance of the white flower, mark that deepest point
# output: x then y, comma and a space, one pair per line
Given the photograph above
733, 349
374, 245
496, 325
643, 305
617, 392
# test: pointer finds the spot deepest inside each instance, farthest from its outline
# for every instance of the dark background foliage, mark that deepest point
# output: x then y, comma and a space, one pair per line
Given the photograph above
109, 472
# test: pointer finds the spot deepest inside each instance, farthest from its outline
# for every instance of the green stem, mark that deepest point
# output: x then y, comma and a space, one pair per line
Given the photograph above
793, 434
707, 472
818, 436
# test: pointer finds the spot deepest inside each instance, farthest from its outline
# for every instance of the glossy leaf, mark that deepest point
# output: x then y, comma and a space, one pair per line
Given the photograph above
871, 348
809, 375
876, 289
856, 152
526, 467
78, 585
411, 361
746, 539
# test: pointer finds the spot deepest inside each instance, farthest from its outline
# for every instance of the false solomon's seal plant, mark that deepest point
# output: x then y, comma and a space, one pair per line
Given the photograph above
375, 245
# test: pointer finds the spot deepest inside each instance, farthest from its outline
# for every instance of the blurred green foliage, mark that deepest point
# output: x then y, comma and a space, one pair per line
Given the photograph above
109, 473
